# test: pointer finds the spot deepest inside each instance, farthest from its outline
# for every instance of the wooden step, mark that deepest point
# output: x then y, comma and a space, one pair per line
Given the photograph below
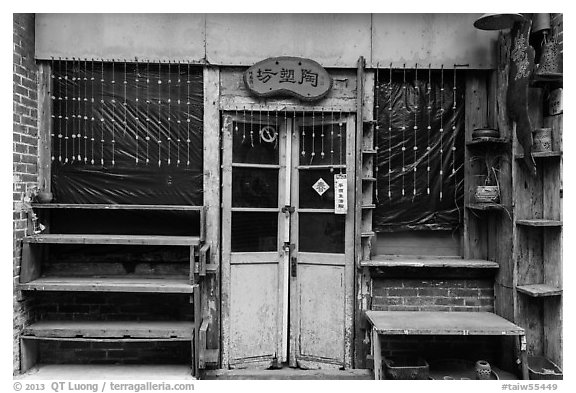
539, 290
118, 330
539, 223
102, 206
113, 239
107, 372
441, 323
290, 373
110, 284
428, 262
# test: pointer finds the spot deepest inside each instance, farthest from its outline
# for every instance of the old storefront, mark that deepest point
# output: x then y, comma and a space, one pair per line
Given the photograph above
267, 191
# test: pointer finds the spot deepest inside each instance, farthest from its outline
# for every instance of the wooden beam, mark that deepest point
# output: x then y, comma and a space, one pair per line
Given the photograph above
210, 295
112, 239
167, 284
45, 87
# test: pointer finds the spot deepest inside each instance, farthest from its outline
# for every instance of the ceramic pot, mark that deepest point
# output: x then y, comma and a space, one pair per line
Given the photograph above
487, 194
542, 139
44, 197
483, 370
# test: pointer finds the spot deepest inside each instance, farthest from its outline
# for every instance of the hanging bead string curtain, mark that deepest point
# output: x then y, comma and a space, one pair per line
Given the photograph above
126, 132
422, 190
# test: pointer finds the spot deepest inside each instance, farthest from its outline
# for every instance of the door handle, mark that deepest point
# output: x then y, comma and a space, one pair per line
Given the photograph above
293, 266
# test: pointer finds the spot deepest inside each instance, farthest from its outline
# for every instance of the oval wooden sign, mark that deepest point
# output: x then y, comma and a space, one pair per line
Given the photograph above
288, 76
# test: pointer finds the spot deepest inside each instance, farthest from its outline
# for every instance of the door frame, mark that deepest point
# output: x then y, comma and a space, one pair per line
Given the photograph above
349, 268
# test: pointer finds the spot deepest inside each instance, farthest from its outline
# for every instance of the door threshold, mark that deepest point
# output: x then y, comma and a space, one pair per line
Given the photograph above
285, 373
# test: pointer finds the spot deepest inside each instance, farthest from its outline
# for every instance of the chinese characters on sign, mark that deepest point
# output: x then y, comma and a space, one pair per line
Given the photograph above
302, 78
340, 194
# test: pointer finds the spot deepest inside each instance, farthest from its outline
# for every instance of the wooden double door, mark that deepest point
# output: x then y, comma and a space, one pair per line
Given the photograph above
287, 248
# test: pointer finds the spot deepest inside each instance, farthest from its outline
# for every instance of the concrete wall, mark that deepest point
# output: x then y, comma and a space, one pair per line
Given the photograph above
333, 40
25, 152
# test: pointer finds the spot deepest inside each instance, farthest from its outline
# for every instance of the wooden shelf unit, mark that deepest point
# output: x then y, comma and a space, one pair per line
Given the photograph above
538, 231
33, 280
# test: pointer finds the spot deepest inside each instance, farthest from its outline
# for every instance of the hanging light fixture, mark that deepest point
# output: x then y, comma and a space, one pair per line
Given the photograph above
497, 21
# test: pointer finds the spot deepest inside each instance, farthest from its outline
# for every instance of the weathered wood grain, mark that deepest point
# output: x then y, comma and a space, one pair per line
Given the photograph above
110, 284
441, 323
111, 329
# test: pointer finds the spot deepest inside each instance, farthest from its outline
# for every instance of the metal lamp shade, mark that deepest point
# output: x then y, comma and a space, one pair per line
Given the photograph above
497, 21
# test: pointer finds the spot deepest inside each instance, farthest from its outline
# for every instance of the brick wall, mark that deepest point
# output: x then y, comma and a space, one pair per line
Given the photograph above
422, 293
25, 151
86, 306
438, 294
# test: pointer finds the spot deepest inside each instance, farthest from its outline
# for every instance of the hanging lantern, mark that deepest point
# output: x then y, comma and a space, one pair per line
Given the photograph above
497, 21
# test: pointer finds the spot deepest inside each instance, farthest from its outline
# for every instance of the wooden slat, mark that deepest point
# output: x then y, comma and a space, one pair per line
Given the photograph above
539, 223
254, 257
136, 372
260, 166
487, 141
381, 261
539, 290
317, 167
111, 329
113, 239
110, 284
475, 241
485, 206
104, 206
541, 154
45, 89
441, 323
321, 258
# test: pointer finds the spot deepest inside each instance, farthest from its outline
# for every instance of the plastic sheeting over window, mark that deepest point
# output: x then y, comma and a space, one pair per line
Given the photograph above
420, 139
127, 133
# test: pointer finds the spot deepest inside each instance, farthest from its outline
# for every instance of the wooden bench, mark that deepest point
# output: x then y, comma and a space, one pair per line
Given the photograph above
440, 323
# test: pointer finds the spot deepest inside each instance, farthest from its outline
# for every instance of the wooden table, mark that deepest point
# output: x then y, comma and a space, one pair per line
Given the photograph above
441, 323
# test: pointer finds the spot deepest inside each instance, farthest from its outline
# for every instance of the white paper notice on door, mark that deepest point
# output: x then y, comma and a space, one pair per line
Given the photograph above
340, 194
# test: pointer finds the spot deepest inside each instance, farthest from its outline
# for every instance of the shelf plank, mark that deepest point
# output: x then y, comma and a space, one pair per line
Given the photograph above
110, 284
369, 151
539, 223
541, 154
107, 372
428, 262
370, 206
113, 239
368, 234
111, 329
485, 141
368, 179
544, 79
100, 206
441, 323
486, 206
539, 290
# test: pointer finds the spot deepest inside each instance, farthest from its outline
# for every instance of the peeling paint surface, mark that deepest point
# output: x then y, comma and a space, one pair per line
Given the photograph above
253, 310
321, 297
